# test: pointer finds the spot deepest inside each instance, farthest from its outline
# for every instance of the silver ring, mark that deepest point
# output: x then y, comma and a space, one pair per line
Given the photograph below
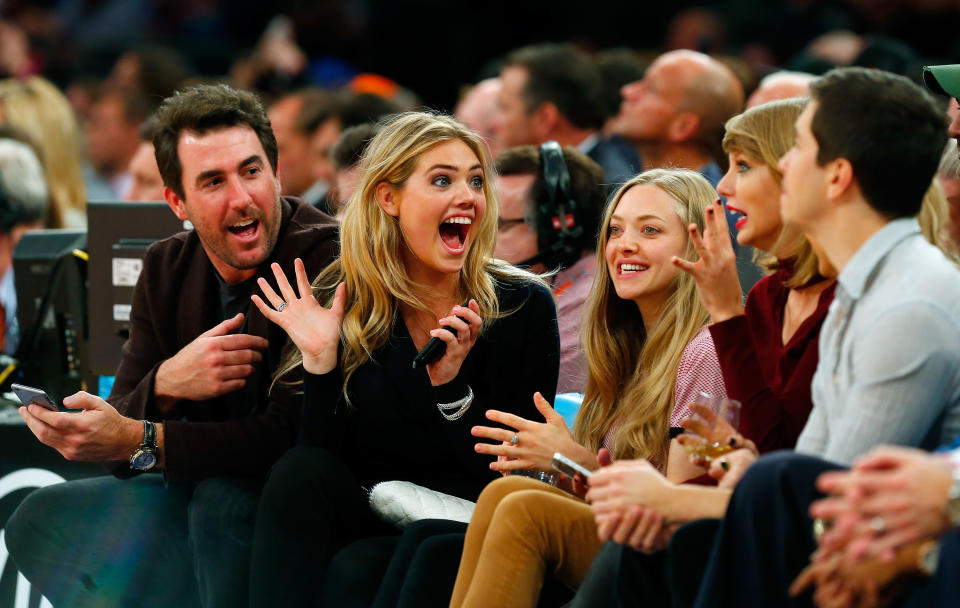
515, 439
281, 307
878, 525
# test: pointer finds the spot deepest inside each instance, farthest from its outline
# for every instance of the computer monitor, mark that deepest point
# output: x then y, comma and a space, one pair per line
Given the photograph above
50, 272
119, 235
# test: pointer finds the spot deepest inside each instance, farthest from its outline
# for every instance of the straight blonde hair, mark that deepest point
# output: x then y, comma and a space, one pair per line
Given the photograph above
632, 375
371, 247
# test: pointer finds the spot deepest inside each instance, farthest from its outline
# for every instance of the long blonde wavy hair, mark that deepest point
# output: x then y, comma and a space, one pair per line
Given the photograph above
371, 247
632, 375
39, 109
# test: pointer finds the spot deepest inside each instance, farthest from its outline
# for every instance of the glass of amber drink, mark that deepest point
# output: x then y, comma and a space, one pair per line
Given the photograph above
710, 429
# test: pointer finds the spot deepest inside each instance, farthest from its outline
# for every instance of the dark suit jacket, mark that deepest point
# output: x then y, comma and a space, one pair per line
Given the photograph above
176, 299
618, 159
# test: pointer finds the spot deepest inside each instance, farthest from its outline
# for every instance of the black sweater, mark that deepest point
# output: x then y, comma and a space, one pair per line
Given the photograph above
392, 428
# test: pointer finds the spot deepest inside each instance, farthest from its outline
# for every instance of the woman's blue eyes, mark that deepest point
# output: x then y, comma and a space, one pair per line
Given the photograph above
742, 166
443, 181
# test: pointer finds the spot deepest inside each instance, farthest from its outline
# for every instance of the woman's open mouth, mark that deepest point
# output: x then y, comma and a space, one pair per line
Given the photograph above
740, 220
453, 233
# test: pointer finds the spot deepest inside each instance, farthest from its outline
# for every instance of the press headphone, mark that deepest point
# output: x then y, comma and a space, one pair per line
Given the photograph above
560, 234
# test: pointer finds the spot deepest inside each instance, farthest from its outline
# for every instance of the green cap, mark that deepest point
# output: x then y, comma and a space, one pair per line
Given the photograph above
943, 79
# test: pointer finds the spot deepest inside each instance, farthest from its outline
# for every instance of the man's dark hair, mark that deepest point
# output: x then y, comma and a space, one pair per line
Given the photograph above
202, 109
586, 183
564, 76
318, 106
618, 67
353, 142
161, 70
890, 130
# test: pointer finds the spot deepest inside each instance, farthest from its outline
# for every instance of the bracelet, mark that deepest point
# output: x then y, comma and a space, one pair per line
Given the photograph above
454, 411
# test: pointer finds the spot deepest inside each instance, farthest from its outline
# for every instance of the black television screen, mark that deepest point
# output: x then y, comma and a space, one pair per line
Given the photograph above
119, 235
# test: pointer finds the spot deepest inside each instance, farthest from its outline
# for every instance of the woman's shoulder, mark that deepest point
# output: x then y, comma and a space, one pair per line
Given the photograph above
700, 346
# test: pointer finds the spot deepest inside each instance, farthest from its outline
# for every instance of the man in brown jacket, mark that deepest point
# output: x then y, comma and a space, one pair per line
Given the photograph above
191, 396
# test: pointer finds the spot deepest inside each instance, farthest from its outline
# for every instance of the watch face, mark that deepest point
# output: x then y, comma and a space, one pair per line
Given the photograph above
143, 460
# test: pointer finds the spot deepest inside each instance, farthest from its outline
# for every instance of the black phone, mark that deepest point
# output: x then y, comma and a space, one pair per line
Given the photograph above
435, 347
28, 395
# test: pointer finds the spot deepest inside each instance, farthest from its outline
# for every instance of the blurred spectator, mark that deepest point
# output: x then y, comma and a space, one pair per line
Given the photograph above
296, 119
553, 92
146, 184
839, 47
23, 206
521, 189
349, 110
947, 174
156, 71
476, 109
618, 67
346, 155
113, 135
781, 85
37, 108
674, 116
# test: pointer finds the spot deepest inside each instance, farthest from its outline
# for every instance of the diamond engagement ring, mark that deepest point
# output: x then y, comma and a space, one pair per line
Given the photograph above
878, 525
515, 439
281, 307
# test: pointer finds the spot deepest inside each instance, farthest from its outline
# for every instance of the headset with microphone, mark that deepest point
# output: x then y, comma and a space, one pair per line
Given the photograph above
560, 235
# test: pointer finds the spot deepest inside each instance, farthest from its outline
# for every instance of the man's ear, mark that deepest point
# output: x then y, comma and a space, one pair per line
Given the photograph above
388, 199
544, 120
683, 127
176, 203
840, 178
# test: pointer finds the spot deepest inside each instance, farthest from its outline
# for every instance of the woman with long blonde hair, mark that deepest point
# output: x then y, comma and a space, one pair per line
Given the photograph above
649, 355
36, 107
416, 264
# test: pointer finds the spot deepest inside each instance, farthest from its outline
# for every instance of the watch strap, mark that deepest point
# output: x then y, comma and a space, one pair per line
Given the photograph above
149, 436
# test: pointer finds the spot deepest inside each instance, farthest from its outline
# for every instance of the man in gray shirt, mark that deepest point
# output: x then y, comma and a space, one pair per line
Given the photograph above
866, 150
889, 368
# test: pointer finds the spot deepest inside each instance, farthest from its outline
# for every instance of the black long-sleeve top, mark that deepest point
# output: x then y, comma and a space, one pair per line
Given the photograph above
392, 428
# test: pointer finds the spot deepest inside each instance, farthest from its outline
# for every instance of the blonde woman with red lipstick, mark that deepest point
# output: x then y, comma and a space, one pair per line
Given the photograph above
768, 347
417, 243
648, 353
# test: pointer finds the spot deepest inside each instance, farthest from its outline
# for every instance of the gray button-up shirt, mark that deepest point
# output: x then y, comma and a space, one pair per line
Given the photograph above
889, 368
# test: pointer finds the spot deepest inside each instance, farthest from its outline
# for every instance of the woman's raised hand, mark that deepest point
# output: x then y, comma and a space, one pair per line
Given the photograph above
467, 322
715, 273
314, 329
536, 442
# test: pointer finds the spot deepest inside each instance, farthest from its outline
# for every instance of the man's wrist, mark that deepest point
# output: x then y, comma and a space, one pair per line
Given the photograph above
163, 394
132, 438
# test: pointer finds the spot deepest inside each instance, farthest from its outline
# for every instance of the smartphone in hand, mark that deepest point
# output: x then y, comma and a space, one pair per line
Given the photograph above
569, 468
28, 395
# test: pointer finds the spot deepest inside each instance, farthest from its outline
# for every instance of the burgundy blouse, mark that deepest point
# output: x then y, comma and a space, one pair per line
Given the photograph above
771, 379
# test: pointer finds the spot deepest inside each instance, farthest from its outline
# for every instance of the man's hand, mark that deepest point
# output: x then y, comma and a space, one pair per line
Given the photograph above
626, 483
98, 433
214, 364
891, 497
